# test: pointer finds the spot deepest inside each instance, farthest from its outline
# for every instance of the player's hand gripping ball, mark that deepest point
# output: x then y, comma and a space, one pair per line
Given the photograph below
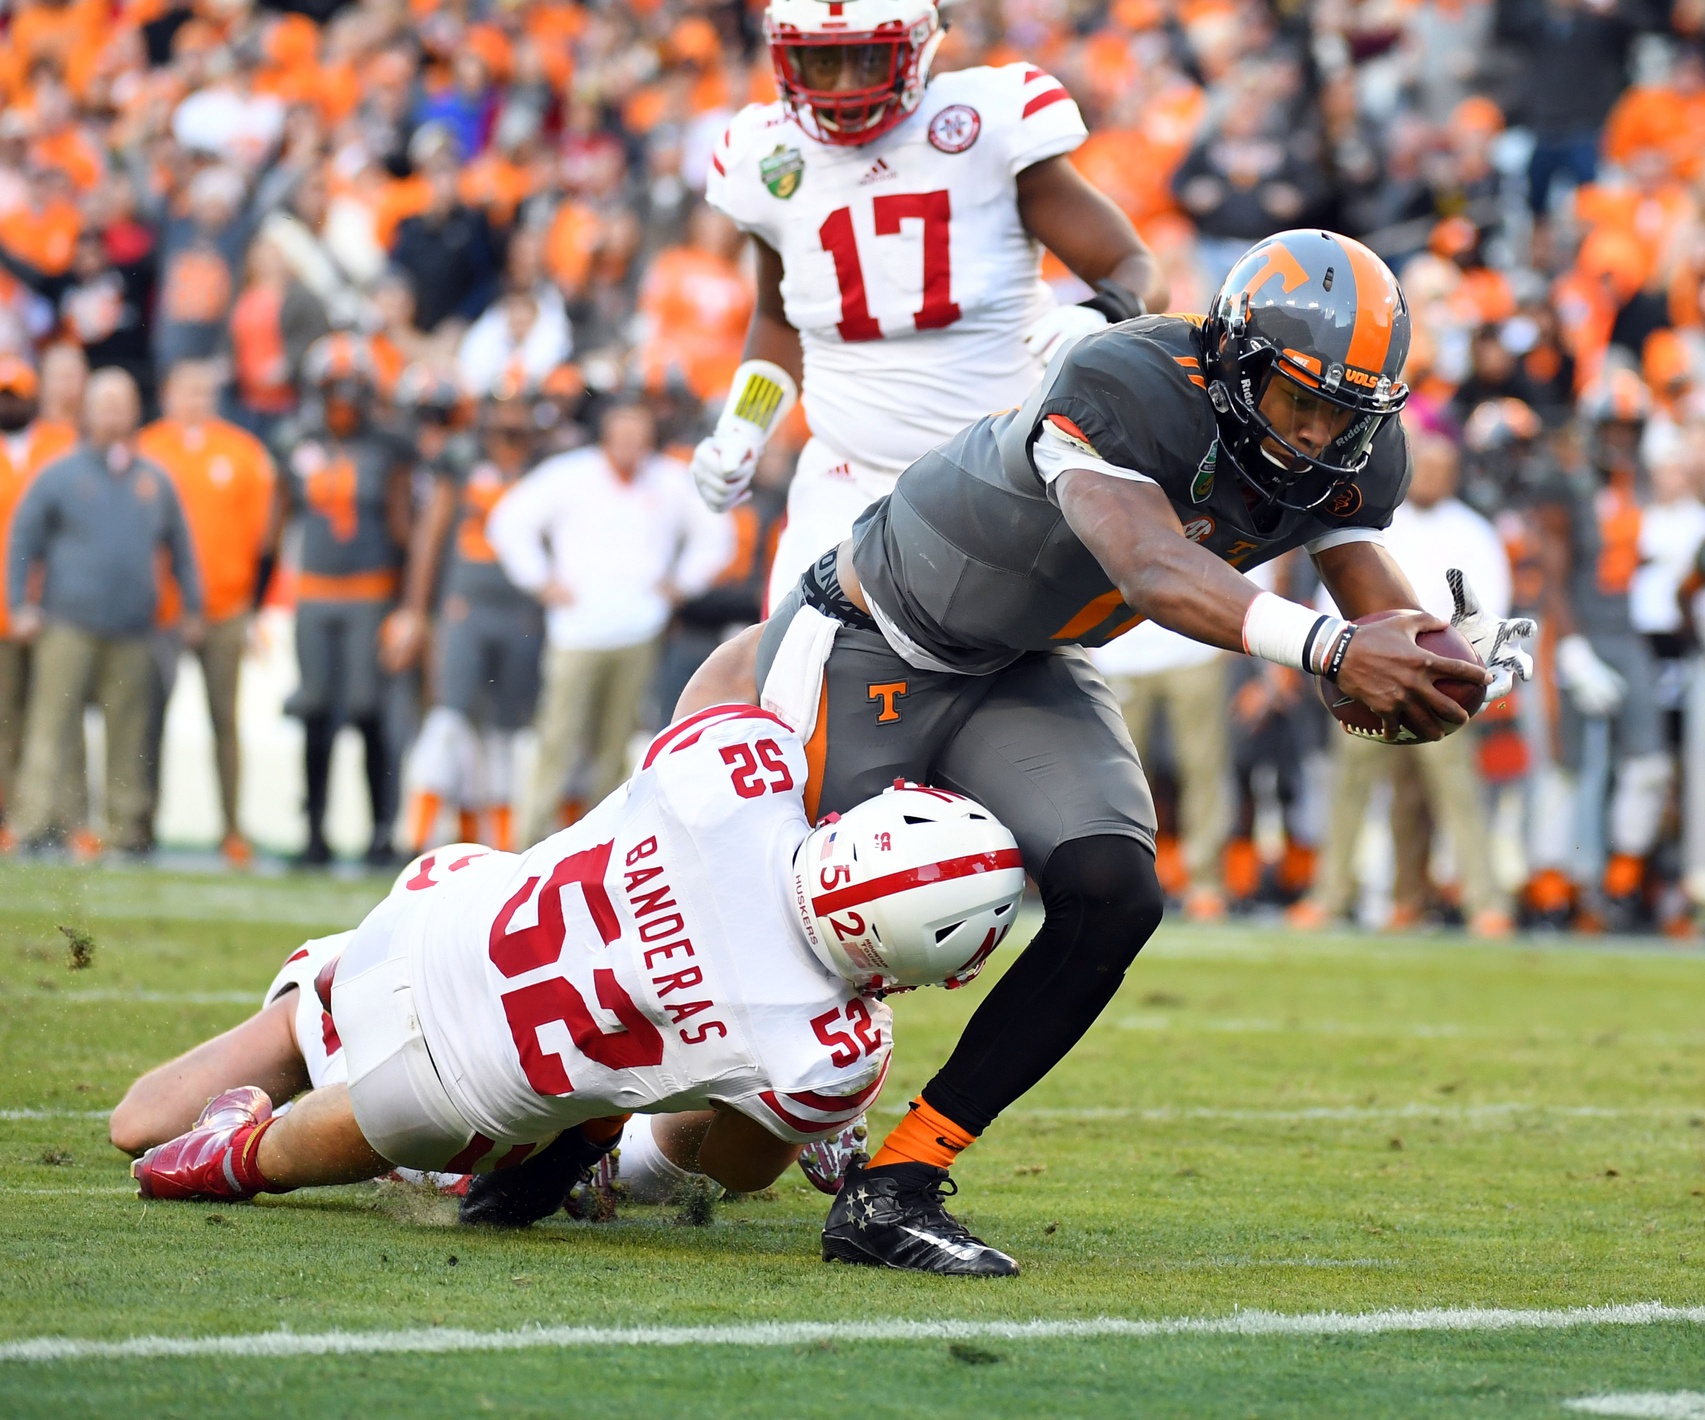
1357, 719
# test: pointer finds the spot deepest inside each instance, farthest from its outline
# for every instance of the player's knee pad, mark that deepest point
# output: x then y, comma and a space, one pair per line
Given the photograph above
443, 759
1636, 810
1108, 884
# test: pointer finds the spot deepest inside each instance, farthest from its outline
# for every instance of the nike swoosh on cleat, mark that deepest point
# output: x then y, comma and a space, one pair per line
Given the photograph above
963, 1251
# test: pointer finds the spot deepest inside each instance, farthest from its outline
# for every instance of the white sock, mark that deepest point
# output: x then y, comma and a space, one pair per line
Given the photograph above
650, 1177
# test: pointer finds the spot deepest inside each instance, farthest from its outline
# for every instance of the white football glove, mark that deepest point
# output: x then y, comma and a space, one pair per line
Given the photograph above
724, 462
1494, 638
1597, 690
1060, 327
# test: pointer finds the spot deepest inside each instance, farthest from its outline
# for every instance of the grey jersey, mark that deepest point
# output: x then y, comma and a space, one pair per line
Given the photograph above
1604, 538
472, 569
341, 487
969, 563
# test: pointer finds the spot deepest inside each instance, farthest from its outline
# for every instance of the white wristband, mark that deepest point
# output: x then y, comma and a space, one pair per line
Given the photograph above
1290, 634
761, 396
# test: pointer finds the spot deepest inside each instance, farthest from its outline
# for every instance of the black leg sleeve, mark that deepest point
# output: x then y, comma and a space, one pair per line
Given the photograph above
381, 776
1102, 902
318, 733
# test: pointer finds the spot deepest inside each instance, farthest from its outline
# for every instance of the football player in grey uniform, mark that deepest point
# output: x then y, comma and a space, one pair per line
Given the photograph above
490, 635
943, 641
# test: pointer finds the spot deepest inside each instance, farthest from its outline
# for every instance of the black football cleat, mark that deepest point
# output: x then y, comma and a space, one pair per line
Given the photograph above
894, 1217
534, 1189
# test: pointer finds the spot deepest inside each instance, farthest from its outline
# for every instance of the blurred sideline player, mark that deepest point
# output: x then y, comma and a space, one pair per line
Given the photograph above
27, 444
490, 635
692, 945
943, 641
348, 479
897, 219
1609, 723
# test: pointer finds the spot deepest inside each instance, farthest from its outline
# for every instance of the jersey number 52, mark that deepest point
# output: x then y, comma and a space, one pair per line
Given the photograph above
552, 1008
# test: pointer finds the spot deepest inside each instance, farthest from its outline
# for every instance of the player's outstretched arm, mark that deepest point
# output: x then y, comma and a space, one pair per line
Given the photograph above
1083, 227
164, 1103
769, 336
1133, 532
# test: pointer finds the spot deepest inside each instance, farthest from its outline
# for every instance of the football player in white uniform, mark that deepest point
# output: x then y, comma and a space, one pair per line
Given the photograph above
692, 947
289, 1045
898, 220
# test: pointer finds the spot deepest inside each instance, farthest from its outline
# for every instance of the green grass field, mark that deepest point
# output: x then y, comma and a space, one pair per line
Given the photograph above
1292, 1125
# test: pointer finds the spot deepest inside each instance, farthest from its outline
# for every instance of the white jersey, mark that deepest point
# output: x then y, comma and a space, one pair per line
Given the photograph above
906, 268
650, 958
308, 970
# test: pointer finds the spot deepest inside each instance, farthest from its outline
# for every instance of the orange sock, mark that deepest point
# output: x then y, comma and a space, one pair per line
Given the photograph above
601, 1131
502, 828
425, 819
467, 825
924, 1136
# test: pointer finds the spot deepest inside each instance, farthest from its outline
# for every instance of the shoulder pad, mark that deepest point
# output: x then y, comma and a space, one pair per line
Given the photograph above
1136, 392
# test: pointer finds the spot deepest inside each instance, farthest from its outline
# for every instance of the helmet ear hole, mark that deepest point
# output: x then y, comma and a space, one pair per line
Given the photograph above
943, 933
1005, 908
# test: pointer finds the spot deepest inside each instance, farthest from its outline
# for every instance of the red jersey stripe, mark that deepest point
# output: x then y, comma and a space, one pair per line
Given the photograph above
831, 1104
1042, 100
716, 163
794, 1121
731, 712
892, 883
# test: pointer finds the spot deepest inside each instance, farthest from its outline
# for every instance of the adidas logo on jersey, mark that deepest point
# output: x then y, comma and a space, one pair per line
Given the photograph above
879, 171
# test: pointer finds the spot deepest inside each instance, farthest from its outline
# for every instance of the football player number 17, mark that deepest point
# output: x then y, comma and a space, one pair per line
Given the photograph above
935, 211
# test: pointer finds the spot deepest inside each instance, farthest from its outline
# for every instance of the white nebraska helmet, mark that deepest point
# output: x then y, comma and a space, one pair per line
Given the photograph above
912, 888
895, 41
436, 864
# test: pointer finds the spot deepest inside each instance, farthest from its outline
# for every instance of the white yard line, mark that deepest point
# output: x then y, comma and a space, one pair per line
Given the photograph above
6, 1114
439, 1340
1644, 1405
142, 998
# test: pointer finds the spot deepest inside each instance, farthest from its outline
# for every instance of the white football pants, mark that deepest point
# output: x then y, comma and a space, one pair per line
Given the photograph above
823, 502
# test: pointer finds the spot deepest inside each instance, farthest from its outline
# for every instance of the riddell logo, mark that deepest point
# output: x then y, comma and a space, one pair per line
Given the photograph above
879, 172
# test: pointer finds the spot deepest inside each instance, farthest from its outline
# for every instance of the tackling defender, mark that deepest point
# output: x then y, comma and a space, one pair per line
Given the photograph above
898, 220
693, 944
943, 641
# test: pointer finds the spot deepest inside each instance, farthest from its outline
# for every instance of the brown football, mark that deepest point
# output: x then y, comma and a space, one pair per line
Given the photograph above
1357, 719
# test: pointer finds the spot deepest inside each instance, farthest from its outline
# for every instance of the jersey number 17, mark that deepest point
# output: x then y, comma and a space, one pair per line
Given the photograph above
935, 211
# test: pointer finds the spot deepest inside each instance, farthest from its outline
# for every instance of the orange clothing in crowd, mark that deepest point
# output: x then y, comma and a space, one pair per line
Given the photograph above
698, 306
261, 362
1654, 220
74, 153
224, 477
45, 239
1658, 118
570, 244
22, 456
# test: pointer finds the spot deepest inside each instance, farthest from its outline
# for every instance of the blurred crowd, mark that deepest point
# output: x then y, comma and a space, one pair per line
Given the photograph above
415, 306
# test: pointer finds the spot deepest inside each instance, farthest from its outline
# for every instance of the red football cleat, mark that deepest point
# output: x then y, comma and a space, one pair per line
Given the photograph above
214, 1162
